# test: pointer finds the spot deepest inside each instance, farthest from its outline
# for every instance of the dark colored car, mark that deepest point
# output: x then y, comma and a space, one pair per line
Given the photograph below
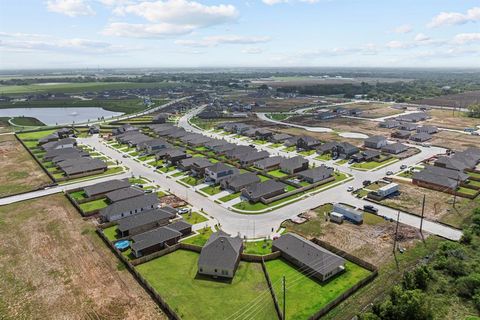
370, 208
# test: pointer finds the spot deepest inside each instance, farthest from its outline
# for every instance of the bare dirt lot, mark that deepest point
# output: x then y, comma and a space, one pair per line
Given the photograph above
54, 266
20, 172
455, 140
277, 104
371, 241
374, 110
450, 119
461, 100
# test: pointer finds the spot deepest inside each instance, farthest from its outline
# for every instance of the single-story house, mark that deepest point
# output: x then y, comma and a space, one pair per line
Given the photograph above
154, 240
315, 175
375, 142
427, 129
439, 178
326, 115
389, 124
247, 159
238, 182
102, 188
82, 166
413, 117
142, 222
220, 256
122, 194
293, 165
401, 134
263, 190
181, 226
395, 148
268, 163
238, 151
420, 137
128, 207
279, 137
406, 126
263, 134
59, 144
307, 143
308, 256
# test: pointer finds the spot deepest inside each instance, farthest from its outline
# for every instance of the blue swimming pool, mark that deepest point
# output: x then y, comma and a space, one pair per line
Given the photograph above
122, 245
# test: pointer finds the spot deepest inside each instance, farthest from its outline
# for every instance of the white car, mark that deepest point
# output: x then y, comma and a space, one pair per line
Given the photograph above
183, 210
350, 189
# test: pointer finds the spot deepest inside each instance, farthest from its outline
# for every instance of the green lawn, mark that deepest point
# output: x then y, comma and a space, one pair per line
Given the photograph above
371, 164
194, 218
340, 162
324, 157
263, 178
78, 195
35, 135
137, 181
111, 233
230, 197
261, 247
178, 174
192, 181
212, 190
304, 295
467, 191
277, 173
307, 152
167, 169
193, 296
93, 205
201, 238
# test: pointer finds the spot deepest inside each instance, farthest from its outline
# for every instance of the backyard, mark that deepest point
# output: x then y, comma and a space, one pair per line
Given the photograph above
194, 296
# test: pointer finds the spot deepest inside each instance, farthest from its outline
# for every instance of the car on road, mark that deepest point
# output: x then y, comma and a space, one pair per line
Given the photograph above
159, 167
370, 208
124, 156
350, 189
389, 173
149, 191
351, 161
366, 183
252, 146
403, 166
183, 210
475, 133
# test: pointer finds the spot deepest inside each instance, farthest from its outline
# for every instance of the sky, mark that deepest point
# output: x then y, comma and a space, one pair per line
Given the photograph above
227, 33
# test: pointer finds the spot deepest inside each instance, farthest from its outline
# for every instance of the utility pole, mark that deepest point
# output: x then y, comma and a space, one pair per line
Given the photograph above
455, 194
395, 239
421, 219
284, 296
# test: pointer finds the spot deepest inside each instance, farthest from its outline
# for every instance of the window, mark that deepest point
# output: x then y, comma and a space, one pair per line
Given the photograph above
215, 270
201, 269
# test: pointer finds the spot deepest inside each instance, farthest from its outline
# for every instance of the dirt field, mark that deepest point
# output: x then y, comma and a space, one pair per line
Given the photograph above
461, 100
374, 110
54, 266
455, 140
19, 172
452, 120
277, 105
371, 241
343, 124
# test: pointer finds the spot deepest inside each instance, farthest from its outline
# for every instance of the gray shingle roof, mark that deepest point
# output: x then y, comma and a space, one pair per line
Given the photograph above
308, 253
269, 162
143, 201
241, 180
293, 163
81, 165
221, 251
318, 173
262, 189
104, 187
153, 237
143, 218
180, 225
122, 194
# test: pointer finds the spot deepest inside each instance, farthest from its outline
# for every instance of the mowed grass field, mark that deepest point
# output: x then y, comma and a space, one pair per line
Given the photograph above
54, 266
20, 172
193, 296
305, 295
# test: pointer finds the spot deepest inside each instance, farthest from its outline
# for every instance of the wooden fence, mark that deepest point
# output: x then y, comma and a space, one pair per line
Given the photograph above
272, 291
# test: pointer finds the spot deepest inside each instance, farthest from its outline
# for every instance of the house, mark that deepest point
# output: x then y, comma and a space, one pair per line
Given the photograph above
307, 143
142, 222
50, 154
103, 188
438, 178
123, 129
151, 146
427, 129
413, 117
248, 159
315, 175
401, 134
128, 207
160, 118
214, 143
395, 148
344, 150
375, 142
268, 163
94, 129
349, 213
154, 240
127, 136
420, 137
263, 190
173, 156
311, 258
70, 155
238, 182
220, 256
279, 137
290, 142
122, 194
59, 144
64, 132
138, 139
407, 126
198, 141
293, 165
389, 124
366, 155
241, 128
459, 161
82, 166
181, 226
326, 115
263, 134
219, 172
251, 133
238, 151
199, 166
51, 137
223, 148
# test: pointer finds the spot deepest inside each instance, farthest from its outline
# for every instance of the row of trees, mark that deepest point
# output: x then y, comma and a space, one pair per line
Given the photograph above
474, 110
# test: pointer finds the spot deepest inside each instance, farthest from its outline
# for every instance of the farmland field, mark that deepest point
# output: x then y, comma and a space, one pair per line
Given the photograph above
195, 296
56, 267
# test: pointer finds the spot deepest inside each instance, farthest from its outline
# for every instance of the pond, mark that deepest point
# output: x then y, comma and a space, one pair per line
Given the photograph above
57, 116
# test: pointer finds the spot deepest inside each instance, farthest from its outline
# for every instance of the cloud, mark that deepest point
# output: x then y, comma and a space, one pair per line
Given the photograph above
71, 8
405, 28
274, 2
252, 50
421, 37
157, 30
455, 18
181, 12
39, 42
214, 41
464, 38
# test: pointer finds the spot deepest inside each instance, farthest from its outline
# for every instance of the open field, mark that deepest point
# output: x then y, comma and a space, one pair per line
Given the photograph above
194, 296
26, 122
374, 109
460, 100
306, 80
451, 119
371, 241
20, 172
305, 295
454, 140
54, 266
